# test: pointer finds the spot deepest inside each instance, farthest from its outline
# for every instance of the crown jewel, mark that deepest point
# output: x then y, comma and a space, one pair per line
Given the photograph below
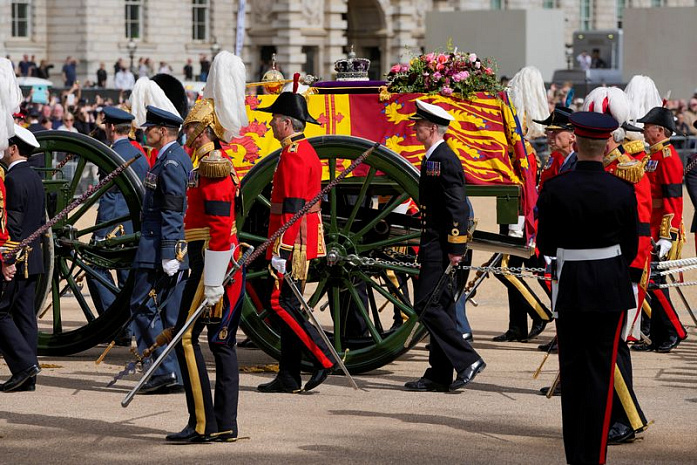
352, 68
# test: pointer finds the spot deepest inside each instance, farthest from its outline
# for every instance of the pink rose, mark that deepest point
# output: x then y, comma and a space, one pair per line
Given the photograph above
431, 57
447, 91
437, 76
442, 58
396, 68
461, 76
404, 68
488, 71
473, 57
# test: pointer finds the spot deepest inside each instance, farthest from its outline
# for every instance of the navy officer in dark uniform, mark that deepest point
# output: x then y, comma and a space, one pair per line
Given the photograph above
117, 125
588, 220
444, 215
19, 334
162, 249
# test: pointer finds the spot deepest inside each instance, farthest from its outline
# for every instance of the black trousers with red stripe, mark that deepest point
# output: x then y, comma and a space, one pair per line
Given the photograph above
665, 323
587, 354
298, 335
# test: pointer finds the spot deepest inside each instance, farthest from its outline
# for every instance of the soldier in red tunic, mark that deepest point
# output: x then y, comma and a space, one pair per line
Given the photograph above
560, 138
211, 235
296, 181
665, 171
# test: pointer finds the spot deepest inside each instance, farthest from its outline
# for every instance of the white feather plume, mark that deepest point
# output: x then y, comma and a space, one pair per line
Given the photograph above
529, 97
617, 103
10, 99
643, 96
147, 92
226, 86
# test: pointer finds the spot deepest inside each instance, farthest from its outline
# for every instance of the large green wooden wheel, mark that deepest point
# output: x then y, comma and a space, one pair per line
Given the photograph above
68, 321
359, 300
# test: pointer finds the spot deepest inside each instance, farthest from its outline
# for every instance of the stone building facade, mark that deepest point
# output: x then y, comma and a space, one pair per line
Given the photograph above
306, 35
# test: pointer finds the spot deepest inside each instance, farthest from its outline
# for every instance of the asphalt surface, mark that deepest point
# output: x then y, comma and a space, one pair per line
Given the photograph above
72, 418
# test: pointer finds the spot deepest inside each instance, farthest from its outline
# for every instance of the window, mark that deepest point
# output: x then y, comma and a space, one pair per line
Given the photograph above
548, 4
586, 15
496, 4
199, 20
21, 18
657, 3
621, 5
134, 19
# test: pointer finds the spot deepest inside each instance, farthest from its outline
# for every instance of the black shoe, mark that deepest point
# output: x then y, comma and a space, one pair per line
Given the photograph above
545, 390
247, 344
161, 384
643, 347
537, 329
317, 378
667, 346
18, 379
468, 337
466, 377
508, 336
550, 347
184, 435
620, 434
425, 385
277, 386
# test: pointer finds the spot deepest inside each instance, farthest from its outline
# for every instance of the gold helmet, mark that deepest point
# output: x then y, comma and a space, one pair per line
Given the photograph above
203, 114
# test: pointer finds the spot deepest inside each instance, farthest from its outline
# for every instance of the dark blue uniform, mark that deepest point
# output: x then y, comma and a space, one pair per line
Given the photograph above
25, 214
587, 212
445, 217
113, 205
162, 228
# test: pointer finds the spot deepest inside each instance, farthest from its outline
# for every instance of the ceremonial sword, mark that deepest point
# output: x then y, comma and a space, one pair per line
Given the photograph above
308, 311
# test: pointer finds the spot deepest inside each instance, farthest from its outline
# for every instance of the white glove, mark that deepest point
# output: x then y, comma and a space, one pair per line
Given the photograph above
516, 230
663, 246
170, 266
212, 295
278, 264
548, 260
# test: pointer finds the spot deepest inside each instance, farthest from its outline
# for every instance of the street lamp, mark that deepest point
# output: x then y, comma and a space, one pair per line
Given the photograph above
132, 47
215, 47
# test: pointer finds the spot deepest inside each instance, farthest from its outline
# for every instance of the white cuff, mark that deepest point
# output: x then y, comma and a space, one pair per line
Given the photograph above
215, 266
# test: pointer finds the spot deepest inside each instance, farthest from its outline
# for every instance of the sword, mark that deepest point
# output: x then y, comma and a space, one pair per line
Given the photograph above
435, 295
330, 346
174, 340
479, 278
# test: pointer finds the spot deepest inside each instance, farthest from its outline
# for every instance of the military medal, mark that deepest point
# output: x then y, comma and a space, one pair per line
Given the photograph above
150, 180
651, 166
432, 168
193, 178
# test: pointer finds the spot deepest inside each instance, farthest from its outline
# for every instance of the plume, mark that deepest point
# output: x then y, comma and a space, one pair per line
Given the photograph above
226, 86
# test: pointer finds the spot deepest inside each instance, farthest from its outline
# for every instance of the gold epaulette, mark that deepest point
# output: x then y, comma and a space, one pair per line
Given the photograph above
215, 166
629, 169
2, 173
633, 146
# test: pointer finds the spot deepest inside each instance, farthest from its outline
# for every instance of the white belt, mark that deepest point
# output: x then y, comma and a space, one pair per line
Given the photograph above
578, 255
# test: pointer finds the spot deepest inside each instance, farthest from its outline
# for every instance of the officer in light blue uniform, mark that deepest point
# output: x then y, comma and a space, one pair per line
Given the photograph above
112, 204
161, 255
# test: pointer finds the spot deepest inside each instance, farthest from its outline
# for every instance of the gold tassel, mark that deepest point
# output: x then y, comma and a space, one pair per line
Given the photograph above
631, 171
215, 168
300, 263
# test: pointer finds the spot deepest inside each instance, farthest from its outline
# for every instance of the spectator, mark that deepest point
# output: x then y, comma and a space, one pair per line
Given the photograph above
205, 67
101, 76
46, 123
164, 68
188, 70
68, 121
124, 79
69, 71
57, 115
43, 70
118, 66
24, 66
691, 116
584, 60
84, 119
681, 129
596, 61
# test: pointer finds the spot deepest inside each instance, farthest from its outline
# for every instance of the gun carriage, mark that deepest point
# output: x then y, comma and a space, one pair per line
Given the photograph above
371, 222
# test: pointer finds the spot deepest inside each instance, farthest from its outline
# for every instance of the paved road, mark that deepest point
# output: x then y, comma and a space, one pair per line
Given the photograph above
74, 419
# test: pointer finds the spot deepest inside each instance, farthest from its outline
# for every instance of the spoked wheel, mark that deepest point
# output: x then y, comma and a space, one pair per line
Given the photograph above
364, 305
70, 320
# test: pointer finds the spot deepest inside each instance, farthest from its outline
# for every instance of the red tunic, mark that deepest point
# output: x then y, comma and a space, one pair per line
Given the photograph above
551, 168
665, 171
626, 154
296, 181
4, 232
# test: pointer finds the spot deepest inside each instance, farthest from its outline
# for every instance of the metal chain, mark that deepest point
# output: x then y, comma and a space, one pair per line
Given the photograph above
512, 271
